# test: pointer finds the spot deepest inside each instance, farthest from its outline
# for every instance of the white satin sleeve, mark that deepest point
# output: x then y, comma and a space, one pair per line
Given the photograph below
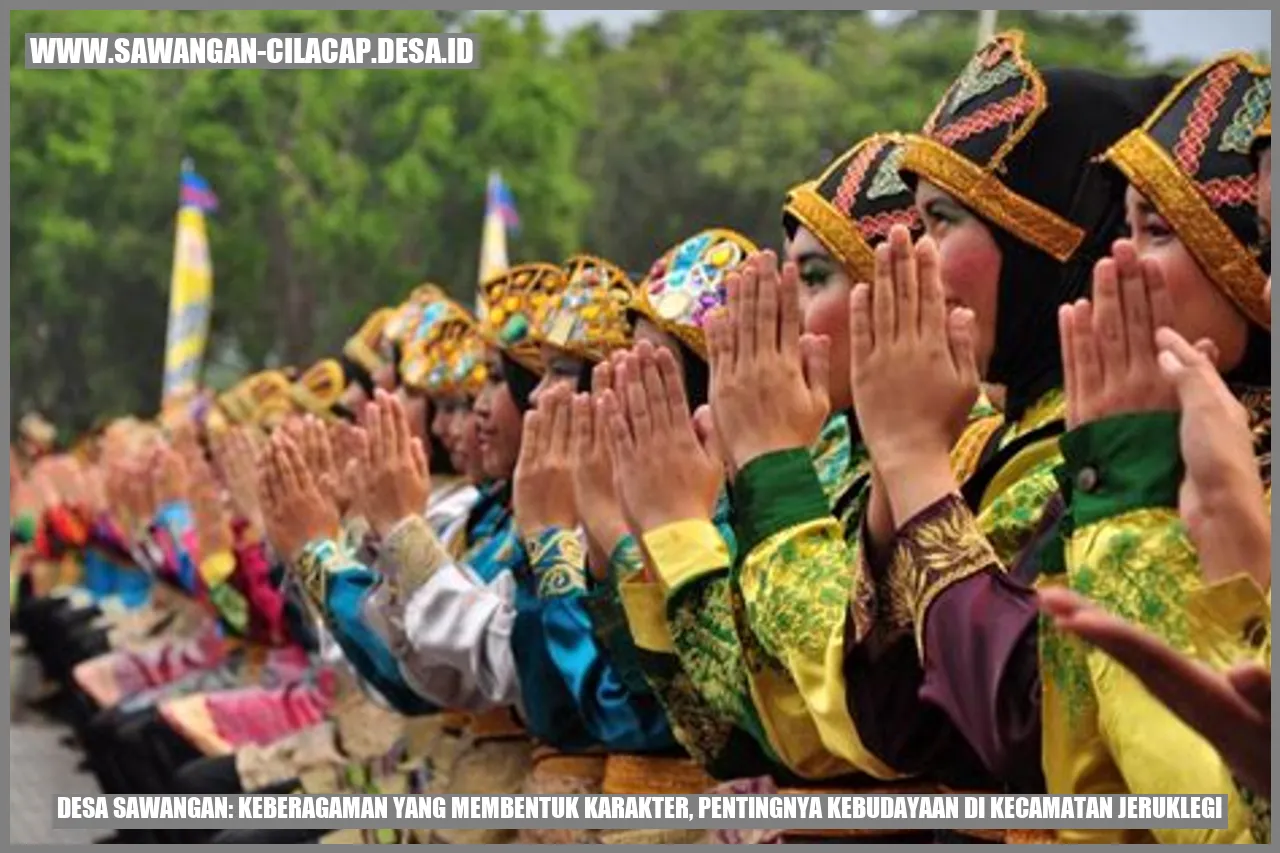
459, 633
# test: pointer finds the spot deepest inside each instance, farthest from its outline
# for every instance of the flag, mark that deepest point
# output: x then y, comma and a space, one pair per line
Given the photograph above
190, 290
499, 217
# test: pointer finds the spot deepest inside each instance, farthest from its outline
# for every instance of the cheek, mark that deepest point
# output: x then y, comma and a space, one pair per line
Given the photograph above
826, 312
970, 266
507, 420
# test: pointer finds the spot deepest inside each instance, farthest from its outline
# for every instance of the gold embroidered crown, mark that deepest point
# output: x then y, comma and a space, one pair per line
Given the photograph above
427, 353
853, 204
1192, 160
589, 317
404, 321
687, 283
512, 305
267, 394
984, 115
317, 390
365, 346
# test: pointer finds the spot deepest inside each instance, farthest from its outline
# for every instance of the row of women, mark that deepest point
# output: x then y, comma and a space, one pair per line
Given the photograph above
968, 491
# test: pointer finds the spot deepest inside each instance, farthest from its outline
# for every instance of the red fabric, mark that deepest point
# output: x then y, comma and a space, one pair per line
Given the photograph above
252, 579
260, 716
138, 671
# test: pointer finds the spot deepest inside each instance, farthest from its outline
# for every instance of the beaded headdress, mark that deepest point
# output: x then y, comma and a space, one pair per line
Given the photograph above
687, 283
1191, 159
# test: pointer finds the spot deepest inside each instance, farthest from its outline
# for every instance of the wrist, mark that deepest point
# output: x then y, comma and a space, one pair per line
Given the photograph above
605, 530
913, 484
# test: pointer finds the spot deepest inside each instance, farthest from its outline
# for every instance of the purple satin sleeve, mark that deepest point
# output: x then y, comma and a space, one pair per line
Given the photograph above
981, 669
883, 680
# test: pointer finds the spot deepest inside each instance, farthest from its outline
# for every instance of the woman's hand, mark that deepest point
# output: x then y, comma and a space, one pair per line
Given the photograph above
1221, 499
595, 493
1108, 345
543, 491
664, 473
397, 483
768, 382
1232, 711
296, 512
914, 373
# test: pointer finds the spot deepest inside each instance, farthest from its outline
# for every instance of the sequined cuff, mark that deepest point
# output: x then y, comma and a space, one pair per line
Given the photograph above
1230, 621
686, 551
1121, 464
941, 546
774, 492
319, 559
558, 562
411, 554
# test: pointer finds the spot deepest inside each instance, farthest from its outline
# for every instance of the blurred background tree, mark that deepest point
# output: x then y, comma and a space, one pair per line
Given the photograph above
342, 189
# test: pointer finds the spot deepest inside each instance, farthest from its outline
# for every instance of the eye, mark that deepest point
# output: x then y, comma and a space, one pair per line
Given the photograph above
816, 272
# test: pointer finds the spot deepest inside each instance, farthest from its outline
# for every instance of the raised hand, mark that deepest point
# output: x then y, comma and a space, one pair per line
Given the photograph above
1221, 499
318, 452
595, 493
397, 482
543, 490
768, 382
1108, 345
664, 473
1232, 711
914, 373
169, 478
235, 453
296, 512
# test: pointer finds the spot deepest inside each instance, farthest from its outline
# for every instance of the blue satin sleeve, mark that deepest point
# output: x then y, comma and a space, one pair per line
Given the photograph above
614, 714
347, 583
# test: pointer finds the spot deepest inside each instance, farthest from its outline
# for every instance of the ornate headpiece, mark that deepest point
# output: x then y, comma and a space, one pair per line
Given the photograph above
1191, 160
267, 393
365, 347
589, 318
317, 390
513, 303
404, 320
981, 119
427, 358
853, 204
1262, 137
687, 283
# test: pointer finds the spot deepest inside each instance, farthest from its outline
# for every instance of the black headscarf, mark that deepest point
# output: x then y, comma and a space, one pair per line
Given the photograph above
1055, 166
353, 372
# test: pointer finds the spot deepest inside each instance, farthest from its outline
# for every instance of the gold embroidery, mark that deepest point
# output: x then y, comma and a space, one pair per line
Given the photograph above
983, 191
837, 231
1228, 262
944, 549
415, 552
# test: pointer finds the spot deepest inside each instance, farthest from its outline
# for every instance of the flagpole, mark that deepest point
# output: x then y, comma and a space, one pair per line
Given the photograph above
986, 25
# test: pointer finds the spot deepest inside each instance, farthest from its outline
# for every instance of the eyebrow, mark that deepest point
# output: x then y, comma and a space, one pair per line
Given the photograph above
811, 255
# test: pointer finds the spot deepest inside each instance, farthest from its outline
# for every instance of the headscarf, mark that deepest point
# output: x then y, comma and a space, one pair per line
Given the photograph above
1017, 147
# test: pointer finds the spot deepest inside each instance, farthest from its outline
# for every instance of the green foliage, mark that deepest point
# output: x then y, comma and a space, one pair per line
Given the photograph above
342, 189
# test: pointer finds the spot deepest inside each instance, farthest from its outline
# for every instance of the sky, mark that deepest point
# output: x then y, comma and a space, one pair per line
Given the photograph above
1165, 33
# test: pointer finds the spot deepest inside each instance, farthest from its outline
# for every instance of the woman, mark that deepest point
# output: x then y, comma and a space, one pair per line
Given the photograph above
1191, 265
1016, 215
439, 586
554, 496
